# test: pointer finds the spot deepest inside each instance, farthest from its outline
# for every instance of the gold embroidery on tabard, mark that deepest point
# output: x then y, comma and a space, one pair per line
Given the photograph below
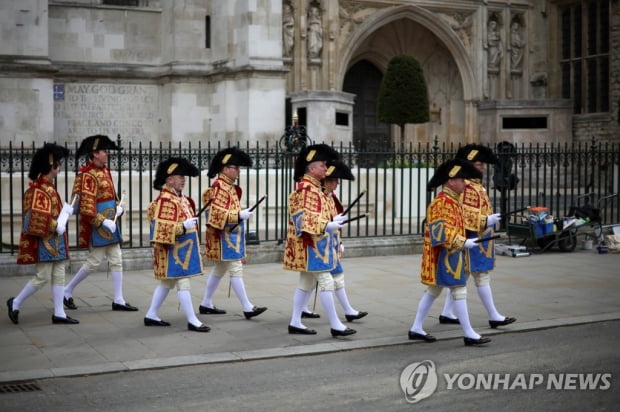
188, 256
234, 246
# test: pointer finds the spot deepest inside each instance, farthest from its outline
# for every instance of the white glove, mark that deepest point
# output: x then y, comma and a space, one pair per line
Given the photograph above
67, 209
493, 219
62, 219
110, 225
61, 226
339, 218
470, 243
341, 248
331, 226
190, 223
245, 214
119, 211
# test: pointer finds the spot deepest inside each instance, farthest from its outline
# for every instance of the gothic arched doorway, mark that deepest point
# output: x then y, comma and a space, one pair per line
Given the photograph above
363, 80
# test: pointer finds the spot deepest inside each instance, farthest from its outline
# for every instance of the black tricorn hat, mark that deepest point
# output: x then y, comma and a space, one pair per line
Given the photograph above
476, 153
337, 169
313, 153
45, 158
173, 166
230, 156
97, 142
455, 168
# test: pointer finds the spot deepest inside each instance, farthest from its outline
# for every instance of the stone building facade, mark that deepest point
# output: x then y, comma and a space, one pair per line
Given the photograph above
235, 71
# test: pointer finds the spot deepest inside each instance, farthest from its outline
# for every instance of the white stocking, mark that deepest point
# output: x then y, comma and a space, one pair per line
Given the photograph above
423, 308
212, 284
486, 296
79, 276
57, 294
239, 288
299, 301
344, 301
185, 299
117, 281
327, 301
159, 295
448, 307
460, 307
26, 292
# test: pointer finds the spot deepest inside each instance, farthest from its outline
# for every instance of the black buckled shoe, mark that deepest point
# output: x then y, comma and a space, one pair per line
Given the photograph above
155, 322
204, 310
473, 342
201, 328
507, 321
419, 336
257, 310
310, 315
444, 320
359, 315
300, 331
68, 321
69, 303
346, 332
126, 307
13, 314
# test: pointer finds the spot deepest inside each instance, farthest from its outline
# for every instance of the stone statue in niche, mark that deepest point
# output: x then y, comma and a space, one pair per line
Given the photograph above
288, 30
516, 47
315, 33
495, 50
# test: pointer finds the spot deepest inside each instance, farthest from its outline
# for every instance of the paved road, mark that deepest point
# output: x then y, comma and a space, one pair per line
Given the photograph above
542, 291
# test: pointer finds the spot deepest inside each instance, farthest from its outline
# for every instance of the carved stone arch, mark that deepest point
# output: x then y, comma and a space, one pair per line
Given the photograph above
426, 19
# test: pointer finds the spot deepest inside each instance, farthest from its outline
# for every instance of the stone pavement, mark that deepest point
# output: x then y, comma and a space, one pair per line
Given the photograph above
543, 290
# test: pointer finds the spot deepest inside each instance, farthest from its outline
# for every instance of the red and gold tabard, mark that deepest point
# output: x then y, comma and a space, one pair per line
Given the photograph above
225, 235
39, 241
97, 202
476, 207
444, 238
309, 247
176, 251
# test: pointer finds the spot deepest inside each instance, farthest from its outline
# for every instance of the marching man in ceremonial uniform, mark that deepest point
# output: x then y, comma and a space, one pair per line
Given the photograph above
335, 171
226, 227
98, 209
43, 241
442, 253
310, 240
176, 245
480, 222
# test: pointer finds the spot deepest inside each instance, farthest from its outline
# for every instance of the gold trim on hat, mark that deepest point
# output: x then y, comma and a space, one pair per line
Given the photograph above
95, 144
226, 158
310, 155
454, 171
330, 170
472, 155
171, 168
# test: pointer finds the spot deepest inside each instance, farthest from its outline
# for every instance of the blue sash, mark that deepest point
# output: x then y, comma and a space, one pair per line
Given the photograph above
52, 249
482, 257
321, 255
233, 243
101, 236
183, 257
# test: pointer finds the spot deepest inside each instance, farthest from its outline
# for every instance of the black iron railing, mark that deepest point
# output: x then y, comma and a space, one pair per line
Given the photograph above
394, 183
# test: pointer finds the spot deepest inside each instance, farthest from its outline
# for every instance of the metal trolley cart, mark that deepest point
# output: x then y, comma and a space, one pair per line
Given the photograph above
581, 221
